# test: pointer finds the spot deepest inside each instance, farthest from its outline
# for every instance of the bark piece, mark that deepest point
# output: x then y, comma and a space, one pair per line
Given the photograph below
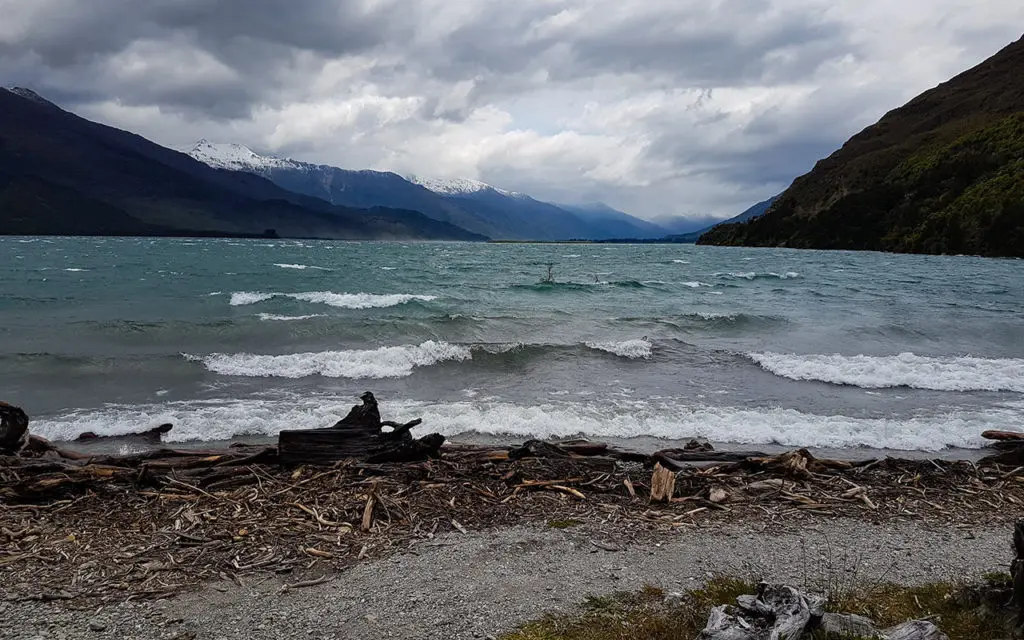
663, 484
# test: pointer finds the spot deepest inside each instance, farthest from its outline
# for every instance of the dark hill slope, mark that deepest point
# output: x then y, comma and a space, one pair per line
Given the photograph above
942, 174
61, 174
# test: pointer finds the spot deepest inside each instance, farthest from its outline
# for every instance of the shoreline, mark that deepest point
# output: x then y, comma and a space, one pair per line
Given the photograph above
642, 444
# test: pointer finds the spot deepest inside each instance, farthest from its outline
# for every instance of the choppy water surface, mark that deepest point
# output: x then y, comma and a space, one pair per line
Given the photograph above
229, 337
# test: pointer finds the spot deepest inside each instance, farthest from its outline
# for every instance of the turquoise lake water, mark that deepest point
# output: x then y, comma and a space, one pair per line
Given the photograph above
749, 346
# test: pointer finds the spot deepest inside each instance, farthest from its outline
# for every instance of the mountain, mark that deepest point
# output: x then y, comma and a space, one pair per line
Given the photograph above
61, 174
362, 189
469, 204
613, 223
678, 225
942, 174
750, 213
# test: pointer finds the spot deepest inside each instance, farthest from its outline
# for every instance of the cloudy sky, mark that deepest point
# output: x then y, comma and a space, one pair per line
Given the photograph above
653, 106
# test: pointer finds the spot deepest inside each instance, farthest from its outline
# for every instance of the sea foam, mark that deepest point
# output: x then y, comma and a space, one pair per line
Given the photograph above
632, 349
344, 300
299, 266
903, 370
280, 318
385, 362
667, 419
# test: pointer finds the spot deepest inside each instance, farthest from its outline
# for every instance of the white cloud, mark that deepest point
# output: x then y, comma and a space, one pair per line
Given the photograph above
655, 106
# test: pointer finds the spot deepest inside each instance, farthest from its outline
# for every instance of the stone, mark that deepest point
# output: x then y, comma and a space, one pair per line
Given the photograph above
97, 625
848, 624
915, 630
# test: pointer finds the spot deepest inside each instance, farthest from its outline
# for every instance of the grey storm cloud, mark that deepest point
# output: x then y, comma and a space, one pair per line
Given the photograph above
654, 105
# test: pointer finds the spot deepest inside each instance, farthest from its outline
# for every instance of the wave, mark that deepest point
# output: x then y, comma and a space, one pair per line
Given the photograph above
75, 269
274, 316
397, 361
663, 418
300, 266
753, 275
344, 300
903, 370
632, 349
703, 320
385, 362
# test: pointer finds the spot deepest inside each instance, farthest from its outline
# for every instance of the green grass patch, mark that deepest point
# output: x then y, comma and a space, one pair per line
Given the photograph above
962, 612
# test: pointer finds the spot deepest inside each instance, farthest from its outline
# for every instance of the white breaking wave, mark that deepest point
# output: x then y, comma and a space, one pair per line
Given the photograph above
385, 362
75, 269
903, 370
239, 298
681, 261
632, 349
344, 300
299, 266
751, 275
668, 419
274, 316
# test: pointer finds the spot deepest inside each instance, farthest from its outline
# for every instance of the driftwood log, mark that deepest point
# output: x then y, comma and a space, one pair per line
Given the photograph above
1004, 436
13, 429
1010, 445
359, 434
149, 436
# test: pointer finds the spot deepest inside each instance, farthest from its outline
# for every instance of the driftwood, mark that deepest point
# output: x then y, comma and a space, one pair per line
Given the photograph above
149, 436
1004, 436
680, 459
663, 484
13, 429
360, 435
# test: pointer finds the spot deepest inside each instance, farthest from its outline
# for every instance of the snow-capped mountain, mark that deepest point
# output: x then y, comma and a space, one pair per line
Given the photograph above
473, 205
236, 157
459, 186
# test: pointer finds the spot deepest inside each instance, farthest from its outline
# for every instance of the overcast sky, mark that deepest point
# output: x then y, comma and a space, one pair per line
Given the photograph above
656, 107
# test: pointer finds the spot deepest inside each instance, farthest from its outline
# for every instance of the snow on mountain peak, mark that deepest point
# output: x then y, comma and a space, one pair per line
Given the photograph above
235, 157
458, 186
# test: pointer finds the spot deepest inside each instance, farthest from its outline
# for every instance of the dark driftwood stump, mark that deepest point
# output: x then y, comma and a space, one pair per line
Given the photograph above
1005, 436
357, 435
13, 429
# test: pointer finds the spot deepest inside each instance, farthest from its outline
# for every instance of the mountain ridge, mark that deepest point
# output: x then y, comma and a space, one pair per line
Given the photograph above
471, 204
60, 172
943, 173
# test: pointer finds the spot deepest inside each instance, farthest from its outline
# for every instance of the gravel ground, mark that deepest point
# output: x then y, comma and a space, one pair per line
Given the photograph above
485, 584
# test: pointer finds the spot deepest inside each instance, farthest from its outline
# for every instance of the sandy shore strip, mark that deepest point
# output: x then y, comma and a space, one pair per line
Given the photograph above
484, 584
